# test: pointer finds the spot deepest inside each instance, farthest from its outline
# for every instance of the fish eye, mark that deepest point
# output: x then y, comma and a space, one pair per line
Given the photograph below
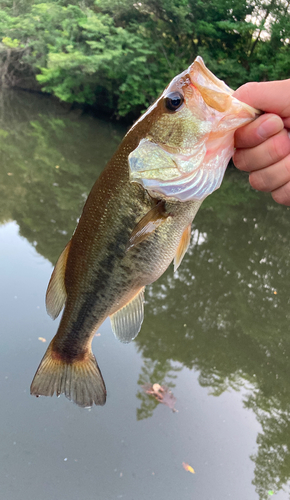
173, 101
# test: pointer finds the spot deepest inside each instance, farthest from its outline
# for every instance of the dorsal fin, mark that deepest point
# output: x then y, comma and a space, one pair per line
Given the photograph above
126, 323
56, 292
182, 247
148, 224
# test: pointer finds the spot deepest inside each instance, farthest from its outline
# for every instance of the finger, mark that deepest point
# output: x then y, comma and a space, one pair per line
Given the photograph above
272, 97
282, 194
268, 153
286, 122
271, 178
256, 132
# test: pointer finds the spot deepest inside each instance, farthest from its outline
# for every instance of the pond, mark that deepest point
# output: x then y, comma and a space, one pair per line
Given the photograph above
216, 333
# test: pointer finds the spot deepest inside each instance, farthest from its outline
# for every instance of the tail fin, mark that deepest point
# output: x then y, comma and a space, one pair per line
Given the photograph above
80, 381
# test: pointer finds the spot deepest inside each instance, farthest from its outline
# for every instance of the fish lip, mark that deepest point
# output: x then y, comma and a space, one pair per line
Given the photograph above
204, 73
204, 80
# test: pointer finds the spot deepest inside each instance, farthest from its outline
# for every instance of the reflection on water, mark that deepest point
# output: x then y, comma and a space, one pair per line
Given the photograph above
48, 167
227, 315
151, 372
224, 314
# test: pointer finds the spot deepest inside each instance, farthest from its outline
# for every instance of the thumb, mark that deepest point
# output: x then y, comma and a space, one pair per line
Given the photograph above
272, 97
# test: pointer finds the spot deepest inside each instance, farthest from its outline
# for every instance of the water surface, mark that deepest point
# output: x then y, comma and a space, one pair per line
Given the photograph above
216, 332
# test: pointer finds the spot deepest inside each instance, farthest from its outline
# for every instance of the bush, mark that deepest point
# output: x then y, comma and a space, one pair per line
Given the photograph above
119, 55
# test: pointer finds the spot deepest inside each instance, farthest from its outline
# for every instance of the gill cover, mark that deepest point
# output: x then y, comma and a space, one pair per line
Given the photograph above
185, 154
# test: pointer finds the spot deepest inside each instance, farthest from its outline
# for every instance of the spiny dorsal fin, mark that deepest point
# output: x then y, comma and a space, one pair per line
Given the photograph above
126, 323
148, 224
56, 292
182, 247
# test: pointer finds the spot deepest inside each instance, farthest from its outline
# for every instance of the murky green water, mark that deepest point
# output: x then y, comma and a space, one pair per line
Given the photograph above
217, 332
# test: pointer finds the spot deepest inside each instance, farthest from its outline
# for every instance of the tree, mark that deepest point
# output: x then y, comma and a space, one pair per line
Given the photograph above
119, 55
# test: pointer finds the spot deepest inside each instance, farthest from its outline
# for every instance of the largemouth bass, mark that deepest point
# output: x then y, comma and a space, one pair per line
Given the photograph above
136, 220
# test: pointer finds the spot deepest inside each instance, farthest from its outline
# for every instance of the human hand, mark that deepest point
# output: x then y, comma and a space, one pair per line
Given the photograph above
263, 146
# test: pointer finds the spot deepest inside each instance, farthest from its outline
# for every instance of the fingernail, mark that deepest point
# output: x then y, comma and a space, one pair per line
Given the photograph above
271, 126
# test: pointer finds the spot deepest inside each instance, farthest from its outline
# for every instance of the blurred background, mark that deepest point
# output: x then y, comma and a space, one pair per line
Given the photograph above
118, 55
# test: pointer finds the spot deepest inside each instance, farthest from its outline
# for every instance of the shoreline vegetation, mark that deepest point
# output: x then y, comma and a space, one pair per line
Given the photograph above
116, 56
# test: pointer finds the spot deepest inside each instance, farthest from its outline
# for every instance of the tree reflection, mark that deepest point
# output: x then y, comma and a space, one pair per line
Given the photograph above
225, 313
272, 460
48, 166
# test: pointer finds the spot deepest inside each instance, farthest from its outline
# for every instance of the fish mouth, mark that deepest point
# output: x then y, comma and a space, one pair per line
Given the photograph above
215, 92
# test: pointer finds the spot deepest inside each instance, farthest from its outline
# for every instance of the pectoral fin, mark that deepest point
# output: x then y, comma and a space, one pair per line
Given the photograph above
126, 323
182, 247
56, 292
151, 221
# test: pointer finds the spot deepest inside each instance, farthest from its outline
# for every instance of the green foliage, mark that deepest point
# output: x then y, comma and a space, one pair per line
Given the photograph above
119, 55
8, 42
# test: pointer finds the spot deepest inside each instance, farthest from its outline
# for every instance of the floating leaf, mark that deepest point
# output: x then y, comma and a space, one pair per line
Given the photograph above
42, 339
161, 393
188, 468
270, 492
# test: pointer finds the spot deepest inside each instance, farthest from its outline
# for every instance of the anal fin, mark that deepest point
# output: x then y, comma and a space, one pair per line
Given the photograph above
182, 247
151, 221
56, 292
126, 323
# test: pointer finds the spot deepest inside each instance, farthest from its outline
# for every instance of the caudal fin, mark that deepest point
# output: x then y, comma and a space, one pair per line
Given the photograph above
80, 381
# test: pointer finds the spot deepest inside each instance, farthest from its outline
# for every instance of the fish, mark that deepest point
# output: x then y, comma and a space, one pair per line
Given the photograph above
136, 221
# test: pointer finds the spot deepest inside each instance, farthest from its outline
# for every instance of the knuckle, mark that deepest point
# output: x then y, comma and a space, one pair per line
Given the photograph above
278, 196
282, 195
286, 163
279, 146
257, 181
239, 160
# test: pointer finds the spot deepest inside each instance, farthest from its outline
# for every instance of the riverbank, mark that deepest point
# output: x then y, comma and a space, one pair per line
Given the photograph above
118, 56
